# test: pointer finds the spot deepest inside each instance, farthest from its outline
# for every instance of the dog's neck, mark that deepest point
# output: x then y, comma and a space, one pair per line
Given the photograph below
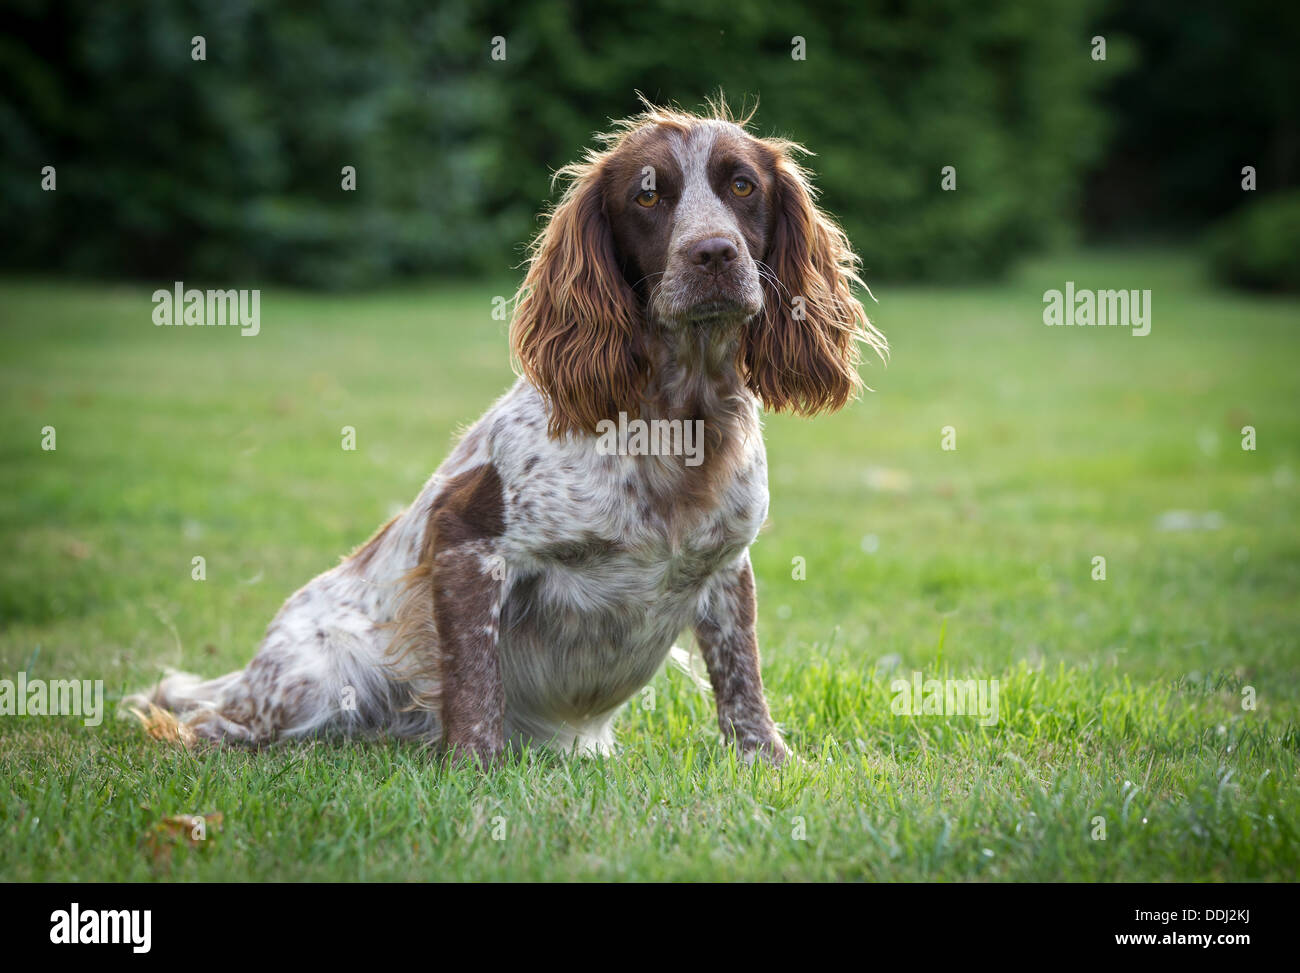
694, 371
694, 375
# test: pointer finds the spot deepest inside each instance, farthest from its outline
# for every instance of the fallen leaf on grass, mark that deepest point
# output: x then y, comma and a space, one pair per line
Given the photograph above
178, 830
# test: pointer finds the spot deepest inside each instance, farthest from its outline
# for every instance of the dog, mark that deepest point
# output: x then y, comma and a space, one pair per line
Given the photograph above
686, 279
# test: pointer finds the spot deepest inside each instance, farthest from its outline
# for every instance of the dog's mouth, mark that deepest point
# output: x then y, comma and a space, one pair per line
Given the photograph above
718, 309
722, 301
707, 303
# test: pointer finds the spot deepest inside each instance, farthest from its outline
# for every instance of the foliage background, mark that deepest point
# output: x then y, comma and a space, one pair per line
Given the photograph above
228, 169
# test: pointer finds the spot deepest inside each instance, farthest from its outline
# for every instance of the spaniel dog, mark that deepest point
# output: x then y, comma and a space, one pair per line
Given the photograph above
684, 281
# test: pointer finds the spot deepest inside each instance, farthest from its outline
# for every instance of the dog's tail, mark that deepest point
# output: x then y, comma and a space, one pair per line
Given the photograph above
164, 708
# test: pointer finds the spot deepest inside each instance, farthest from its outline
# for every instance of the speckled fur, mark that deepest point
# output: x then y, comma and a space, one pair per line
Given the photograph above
598, 575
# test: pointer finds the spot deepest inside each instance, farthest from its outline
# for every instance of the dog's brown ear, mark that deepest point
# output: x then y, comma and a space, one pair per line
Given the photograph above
801, 353
577, 324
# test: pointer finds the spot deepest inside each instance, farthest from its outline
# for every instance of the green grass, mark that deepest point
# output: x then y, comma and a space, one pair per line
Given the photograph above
1119, 699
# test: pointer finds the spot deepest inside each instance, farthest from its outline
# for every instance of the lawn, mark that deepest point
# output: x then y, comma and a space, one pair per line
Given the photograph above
1147, 722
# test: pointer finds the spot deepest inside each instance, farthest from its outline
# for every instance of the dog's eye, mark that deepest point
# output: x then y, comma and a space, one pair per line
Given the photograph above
647, 198
742, 187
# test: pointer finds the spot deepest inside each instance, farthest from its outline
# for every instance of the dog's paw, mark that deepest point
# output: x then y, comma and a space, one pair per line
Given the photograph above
773, 752
479, 755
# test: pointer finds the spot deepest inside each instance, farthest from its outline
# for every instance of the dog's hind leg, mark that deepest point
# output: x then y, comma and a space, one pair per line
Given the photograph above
320, 667
280, 694
293, 687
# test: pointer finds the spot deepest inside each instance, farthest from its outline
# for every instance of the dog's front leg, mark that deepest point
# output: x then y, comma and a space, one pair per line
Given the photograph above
467, 572
725, 631
467, 608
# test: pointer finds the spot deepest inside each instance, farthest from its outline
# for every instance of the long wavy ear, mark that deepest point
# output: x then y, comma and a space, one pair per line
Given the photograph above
576, 332
801, 352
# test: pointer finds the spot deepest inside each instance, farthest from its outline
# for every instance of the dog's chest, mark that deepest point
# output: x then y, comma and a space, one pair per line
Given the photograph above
591, 614
646, 545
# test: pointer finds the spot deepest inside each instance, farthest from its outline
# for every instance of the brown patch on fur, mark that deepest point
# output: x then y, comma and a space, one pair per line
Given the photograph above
699, 487
469, 507
466, 606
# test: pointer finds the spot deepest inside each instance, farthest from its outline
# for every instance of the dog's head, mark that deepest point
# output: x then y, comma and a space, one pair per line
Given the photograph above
687, 229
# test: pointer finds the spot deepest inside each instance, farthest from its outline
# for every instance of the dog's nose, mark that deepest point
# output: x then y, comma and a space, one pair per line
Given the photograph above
713, 254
